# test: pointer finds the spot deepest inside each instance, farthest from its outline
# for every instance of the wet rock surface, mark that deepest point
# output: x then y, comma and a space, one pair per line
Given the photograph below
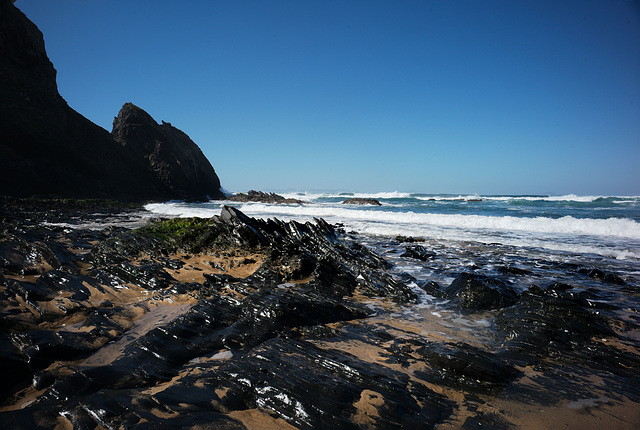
234, 322
476, 292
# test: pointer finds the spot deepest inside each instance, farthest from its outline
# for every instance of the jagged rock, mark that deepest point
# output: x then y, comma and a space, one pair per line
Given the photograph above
49, 149
432, 288
118, 337
114, 351
603, 276
262, 197
361, 201
475, 292
549, 322
418, 252
330, 393
463, 365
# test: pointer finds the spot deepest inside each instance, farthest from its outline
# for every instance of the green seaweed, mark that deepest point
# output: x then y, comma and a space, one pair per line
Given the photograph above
190, 234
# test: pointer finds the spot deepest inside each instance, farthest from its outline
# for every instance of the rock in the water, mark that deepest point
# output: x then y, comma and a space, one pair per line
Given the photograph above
361, 201
608, 277
262, 197
409, 239
476, 292
418, 252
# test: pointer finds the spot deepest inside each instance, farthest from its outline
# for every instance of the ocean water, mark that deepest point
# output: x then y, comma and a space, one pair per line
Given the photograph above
605, 226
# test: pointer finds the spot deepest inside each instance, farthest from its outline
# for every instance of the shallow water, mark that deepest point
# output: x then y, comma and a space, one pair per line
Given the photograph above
521, 267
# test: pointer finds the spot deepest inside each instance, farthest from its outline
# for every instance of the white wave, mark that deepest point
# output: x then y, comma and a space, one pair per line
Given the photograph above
565, 198
459, 197
179, 209
346, 195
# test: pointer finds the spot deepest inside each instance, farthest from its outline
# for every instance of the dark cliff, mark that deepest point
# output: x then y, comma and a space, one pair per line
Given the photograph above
49, 149
172, 157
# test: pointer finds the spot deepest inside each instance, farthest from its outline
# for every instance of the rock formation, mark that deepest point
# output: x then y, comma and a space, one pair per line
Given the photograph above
175, 161
234, 322
262, 197
360, 201
49, 149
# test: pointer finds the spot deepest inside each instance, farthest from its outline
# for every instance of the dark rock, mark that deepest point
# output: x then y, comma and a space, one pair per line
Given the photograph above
14, 370
462, 365
180, 168
433, 288
600, 275
332, 279
545, 323
49, 149
110, 339
262, 197
361, 201
418, 252
409, 239
19, 257
378, 284
476, 292
512, 270
327, 394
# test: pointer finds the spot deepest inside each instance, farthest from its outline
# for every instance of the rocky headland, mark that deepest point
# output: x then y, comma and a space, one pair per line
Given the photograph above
47, 149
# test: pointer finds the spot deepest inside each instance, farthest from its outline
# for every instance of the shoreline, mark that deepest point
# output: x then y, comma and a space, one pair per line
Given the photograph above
263, 289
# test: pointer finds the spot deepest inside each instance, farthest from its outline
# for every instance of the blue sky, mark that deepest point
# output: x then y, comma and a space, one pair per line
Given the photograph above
488, 97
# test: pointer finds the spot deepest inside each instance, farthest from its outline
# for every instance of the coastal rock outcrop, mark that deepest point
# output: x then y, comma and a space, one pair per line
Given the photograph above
236, 322
361, 201
49, 149
180, 168
262, 197
230, 302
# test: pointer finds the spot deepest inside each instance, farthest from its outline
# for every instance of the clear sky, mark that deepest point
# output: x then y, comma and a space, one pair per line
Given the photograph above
488, 97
